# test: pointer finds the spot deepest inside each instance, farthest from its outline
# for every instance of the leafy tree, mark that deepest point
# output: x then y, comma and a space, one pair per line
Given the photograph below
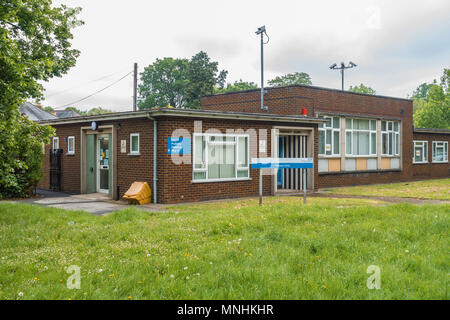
433, 109
48, 109
421, 91
34, 46
96, 110
179, 83
362, 89
291, 79
164, 83
237, 86
203, 77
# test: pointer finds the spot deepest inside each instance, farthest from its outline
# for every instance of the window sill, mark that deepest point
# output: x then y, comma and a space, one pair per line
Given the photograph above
335, 156
220, 180
134, 154
70, 154
362, 156
425, 162
439, 162
358, 171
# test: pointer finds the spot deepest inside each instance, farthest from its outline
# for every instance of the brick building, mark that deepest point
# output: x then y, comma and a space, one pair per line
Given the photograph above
192, 155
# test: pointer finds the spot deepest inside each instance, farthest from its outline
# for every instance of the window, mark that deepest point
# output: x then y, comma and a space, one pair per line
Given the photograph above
360, 137
134, 143
420, 152
329, 137
55, 143
390, 138
71, 145
220, 157
440, 151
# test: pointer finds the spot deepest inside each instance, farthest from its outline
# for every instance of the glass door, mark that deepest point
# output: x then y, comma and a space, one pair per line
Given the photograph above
103, 162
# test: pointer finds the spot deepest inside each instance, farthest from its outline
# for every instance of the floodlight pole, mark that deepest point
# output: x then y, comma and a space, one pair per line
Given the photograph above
261, 31
342, 69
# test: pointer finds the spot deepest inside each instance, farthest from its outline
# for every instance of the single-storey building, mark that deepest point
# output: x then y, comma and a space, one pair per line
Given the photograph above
192, 155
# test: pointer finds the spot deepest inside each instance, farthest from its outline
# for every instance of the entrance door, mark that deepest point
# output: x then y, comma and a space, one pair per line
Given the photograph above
103, 163
291, 146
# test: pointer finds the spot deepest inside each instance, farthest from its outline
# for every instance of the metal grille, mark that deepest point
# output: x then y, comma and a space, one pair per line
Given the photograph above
55, 169
291, 147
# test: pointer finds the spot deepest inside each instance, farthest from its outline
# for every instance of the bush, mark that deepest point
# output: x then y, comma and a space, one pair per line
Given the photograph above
21, 152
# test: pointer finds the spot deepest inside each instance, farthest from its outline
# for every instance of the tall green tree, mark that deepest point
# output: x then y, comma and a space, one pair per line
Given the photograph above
35, 45
433, 109
203, 77
291, 79
163, 83
179, 83
237, 86
362, 89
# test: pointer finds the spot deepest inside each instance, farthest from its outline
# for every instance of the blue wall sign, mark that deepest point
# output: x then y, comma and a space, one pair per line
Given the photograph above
179, 145
282, 163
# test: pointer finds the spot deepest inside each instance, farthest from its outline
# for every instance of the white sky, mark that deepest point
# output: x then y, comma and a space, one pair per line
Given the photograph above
396, 44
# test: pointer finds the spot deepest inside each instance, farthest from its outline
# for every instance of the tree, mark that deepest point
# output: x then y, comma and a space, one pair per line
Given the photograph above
164, 83
362, 89
237, 86
203, 77
96, 110
433, 109
421, 91
34, 46
291, 79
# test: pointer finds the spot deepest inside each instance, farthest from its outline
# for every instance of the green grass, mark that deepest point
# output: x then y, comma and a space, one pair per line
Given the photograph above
429, 189
228, 250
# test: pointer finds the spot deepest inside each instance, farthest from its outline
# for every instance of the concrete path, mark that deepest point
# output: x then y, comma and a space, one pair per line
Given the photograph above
95, 203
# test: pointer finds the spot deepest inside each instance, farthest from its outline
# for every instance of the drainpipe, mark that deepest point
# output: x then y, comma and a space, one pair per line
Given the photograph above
155, 178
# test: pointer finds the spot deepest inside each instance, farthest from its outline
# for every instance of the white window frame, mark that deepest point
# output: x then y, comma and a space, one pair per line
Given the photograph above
55, 142
369, 131
424, 150
395, 136
237, 167
443, 145
324, 129
68, 145
138, 144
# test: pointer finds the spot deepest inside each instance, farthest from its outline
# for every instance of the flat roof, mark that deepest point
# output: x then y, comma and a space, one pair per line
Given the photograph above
176, 112
309, 87
432, 130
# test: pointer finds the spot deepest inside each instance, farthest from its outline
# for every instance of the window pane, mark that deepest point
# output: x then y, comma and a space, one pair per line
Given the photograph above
425, 151
389, 126
348, 123
397, 144
348, 142
199, 152
213, 159
364, 124
373, 124
383, 125
242, 173
328, 142
242, 152
336, 123
363, 143
336, 141
321, 142
199, 175
328, 123
391, 138
418, 156
396, 126
134, 143
384, 141
374, 143
355, 143
227, 168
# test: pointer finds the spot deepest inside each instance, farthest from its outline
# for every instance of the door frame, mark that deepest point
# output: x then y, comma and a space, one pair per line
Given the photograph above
102, 129
97, 159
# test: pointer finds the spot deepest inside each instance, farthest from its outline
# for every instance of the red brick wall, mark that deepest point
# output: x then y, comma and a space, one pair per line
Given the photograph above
430, 169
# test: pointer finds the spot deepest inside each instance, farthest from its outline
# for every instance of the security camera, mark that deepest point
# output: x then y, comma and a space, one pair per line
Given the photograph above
261, 30
333, 66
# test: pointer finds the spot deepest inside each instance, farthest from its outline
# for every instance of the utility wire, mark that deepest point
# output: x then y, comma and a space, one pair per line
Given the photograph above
83, 84
92, 94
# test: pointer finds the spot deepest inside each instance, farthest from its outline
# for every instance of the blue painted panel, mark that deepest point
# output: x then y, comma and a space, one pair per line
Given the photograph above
179, 145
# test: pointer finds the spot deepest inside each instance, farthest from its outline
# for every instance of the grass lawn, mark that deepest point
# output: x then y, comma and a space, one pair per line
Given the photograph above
228, 250
429, 189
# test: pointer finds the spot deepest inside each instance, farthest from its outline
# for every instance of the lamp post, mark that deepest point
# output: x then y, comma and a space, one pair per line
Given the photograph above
342, 68
262, 31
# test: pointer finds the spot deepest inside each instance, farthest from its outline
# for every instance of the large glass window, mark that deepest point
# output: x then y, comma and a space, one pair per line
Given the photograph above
390, 138
329, 137
420, 152
360, 137
440, 151
220, 157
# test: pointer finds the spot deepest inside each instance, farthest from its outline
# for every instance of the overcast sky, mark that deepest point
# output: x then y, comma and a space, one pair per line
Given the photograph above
396, 44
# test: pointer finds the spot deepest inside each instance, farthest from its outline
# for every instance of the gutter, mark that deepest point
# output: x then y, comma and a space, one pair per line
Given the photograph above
155, 178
